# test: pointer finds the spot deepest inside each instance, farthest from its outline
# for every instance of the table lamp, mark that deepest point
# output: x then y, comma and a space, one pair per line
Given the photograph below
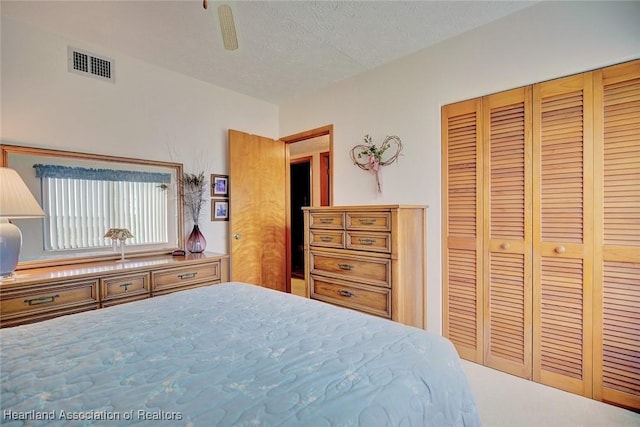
16, 202
120, 234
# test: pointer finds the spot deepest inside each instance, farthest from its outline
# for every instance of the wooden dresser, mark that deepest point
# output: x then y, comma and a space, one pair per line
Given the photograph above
43, 293
368, 258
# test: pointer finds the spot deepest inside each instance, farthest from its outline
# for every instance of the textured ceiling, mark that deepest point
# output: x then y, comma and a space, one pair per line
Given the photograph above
287, 48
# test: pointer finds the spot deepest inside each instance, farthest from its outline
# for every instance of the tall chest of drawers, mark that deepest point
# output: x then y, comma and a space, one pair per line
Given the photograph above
368, 258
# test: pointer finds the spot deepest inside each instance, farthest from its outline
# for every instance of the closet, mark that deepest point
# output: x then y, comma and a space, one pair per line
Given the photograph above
541, 232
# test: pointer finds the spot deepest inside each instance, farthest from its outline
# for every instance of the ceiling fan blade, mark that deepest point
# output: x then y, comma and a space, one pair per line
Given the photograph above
228, 28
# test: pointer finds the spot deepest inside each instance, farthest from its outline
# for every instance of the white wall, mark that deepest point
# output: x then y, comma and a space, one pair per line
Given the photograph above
546, 41
149, 112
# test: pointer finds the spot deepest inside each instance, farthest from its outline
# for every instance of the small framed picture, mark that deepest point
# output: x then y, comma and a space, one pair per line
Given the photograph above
219, 210
219, 185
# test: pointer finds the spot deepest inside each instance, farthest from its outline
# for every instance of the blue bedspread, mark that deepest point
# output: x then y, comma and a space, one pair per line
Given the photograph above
230, 355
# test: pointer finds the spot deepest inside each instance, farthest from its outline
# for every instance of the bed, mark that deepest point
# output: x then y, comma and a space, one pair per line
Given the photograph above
230, 355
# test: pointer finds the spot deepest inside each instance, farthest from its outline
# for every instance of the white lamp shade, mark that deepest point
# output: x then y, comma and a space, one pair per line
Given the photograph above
16, 201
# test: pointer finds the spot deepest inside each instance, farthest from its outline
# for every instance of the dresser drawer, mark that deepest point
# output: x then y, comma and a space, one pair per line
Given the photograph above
39, 300
125, 286
185, 277
369, 299
376, 271
124, 300
330, 220
363, 241
369, 221
326, 238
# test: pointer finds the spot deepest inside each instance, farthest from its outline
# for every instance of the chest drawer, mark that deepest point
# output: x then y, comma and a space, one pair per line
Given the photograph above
183, 277
370, 299
363, 241
370, 221
375, 271
330, 220
326, 238
49, 298
125, 286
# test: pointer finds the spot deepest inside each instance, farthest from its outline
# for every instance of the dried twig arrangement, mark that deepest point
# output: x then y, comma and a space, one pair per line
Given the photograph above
369, 157
194, 187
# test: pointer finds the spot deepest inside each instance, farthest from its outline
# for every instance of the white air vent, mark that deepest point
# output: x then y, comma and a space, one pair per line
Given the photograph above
89, 64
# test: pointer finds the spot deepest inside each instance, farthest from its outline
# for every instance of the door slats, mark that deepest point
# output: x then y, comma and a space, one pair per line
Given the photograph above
617, 302
507, 284
542, 224
462, 309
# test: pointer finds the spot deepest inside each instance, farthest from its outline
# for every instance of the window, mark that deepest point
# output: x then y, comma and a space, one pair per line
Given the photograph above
81, 204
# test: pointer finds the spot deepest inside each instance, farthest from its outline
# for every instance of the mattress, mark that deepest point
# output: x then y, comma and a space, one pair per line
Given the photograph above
230, 355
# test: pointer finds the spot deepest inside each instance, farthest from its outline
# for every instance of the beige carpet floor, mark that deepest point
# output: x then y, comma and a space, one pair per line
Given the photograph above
504, 400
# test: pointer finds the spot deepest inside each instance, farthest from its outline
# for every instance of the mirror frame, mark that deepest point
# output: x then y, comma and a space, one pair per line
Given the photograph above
7, 149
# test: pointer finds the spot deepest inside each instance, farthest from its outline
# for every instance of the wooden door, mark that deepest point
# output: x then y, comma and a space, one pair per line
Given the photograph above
258, 210
325, 179
507, 231
617, 225
563, 233
462, 227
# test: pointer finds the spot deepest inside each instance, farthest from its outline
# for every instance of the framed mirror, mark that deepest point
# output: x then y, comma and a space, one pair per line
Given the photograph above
85, 195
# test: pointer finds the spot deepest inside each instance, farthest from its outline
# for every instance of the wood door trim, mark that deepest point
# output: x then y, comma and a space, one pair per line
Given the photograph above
312, 133
306, 159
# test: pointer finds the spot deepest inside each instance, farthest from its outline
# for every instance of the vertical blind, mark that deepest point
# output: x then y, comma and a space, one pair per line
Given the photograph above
82, 204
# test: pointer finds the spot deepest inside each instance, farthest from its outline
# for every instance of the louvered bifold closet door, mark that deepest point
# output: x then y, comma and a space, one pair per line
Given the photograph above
507, 209
563, 233
462, 230
617, 215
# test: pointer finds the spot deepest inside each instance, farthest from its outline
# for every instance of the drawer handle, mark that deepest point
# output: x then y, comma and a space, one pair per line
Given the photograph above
326, 220
367, 221
367, 242
41, 300
126, 286
347, 267
187, 276
346, 293
326, 239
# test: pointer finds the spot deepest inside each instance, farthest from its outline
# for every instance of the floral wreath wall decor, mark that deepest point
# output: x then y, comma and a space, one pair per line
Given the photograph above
369, 157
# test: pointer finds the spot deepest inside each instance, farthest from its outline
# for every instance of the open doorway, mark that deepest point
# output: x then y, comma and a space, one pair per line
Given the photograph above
309, 184
300, 170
